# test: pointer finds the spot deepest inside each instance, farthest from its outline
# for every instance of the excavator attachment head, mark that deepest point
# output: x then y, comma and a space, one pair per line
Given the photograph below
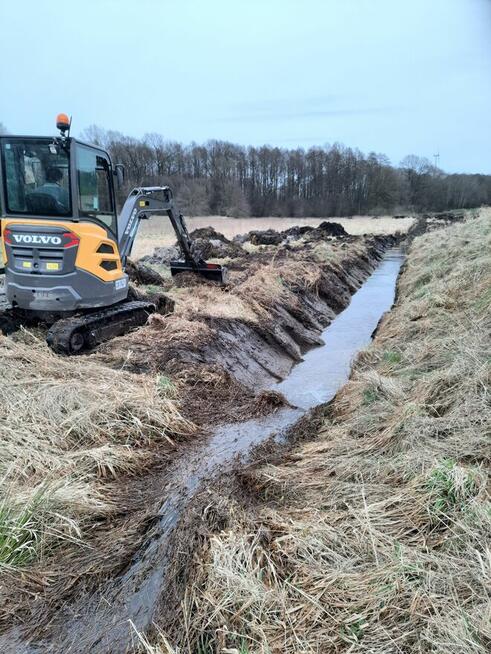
210, 271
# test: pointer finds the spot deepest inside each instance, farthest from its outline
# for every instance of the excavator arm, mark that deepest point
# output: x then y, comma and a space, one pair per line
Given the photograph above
144, 202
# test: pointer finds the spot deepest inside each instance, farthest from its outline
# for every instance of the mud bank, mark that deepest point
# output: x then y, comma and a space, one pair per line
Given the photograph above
97, 620
256, 329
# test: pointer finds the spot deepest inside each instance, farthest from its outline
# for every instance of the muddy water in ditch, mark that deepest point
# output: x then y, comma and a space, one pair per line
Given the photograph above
324, 370
100, 623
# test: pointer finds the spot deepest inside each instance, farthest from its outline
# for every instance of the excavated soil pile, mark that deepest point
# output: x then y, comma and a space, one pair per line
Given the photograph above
325, 229
430, 222
265, 237
272, 237
252, 331
140, 272
161, 256
210, 244
207, 244
211, 392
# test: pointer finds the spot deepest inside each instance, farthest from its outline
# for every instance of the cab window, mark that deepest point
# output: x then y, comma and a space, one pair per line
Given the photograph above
36, 178
94, 187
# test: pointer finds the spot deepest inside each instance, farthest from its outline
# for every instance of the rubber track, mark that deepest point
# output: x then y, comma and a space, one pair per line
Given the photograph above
99, 326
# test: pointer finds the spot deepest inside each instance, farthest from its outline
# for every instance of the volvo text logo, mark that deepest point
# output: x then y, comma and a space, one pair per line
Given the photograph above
37, 239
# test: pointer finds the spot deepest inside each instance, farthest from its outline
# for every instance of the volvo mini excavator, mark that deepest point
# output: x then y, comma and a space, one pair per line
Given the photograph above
64, 245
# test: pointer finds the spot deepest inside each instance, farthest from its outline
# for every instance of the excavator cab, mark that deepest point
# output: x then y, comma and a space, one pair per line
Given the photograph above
63, 242
59, 225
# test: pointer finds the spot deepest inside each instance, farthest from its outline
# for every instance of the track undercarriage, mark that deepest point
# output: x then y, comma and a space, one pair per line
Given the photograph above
84, 331
81, 331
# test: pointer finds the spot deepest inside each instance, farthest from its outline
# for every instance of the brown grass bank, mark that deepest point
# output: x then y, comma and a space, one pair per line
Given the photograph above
374, 536
72, 434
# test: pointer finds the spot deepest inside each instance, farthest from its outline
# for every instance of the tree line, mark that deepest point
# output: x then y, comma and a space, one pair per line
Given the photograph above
222, 178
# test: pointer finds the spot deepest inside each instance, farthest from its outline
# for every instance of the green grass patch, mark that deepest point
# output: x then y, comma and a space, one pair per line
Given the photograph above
392, 357
451, 487
152, 288
370, 396
166, 386
19, 532
354, 631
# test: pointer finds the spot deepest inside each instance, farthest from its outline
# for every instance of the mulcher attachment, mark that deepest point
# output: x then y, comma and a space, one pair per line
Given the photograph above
213, 272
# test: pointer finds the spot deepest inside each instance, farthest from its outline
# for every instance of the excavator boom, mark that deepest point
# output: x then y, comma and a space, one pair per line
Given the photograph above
144, 202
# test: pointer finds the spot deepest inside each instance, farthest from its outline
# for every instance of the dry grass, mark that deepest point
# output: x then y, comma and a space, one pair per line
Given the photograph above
68, 427
375, 536
211, 301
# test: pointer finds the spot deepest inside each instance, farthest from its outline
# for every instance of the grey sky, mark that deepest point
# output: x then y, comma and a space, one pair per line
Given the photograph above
385, 75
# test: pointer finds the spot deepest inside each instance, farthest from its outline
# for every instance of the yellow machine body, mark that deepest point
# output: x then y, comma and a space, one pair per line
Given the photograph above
91, 238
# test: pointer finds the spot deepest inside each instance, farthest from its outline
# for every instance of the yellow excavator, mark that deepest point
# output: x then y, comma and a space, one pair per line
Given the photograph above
65, 246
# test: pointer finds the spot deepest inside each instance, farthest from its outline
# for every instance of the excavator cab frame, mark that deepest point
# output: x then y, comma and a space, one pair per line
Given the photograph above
25, 158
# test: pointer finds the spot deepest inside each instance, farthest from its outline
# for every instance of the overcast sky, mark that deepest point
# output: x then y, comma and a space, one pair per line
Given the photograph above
385, 75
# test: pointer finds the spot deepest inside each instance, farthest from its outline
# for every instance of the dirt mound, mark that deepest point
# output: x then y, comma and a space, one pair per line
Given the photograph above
332, 229
266, 237
297, 231
450, 216
326, 230
429, 222
217, 249
162, 255
140, 273
210, 244
307, 232
209, 233
207, 244
210, 395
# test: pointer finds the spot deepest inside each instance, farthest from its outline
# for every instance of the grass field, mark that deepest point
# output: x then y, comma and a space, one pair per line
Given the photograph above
374, 535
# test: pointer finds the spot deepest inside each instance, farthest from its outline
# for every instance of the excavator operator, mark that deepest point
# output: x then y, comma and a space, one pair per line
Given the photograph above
52, 187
